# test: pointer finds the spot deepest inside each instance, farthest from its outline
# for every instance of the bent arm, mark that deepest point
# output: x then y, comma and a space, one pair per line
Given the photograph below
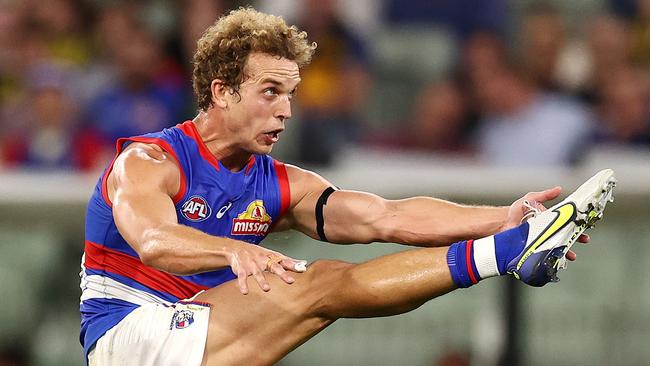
359, 217
141, 184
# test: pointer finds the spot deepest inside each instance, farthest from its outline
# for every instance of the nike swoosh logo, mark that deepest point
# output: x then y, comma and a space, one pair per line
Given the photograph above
223, 210
565, 214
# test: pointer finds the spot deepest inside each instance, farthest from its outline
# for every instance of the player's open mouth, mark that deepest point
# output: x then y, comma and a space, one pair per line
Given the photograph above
272, 137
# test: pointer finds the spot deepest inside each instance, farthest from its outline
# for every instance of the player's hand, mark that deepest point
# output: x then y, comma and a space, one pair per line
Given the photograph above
251, 260
520, 209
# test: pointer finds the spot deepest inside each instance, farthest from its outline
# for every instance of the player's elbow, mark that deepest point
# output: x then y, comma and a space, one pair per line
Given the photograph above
149, 255
150, 250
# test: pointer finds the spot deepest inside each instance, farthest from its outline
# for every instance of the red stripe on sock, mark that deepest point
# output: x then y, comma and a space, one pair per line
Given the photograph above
468, 260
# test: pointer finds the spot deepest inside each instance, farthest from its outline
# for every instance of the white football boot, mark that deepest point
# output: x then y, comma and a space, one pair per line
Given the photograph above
552, 233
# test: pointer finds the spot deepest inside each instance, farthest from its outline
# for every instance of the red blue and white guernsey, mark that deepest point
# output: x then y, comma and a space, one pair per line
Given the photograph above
240, 205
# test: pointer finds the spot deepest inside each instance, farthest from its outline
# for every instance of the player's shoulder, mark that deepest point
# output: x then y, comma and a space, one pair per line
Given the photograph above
146, 161
304, 181
296, 173
143, 152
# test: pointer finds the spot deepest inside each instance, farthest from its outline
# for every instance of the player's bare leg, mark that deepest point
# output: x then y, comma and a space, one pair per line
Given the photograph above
262, 327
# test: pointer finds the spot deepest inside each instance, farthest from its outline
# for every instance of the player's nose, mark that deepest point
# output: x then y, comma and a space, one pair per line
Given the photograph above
283, 112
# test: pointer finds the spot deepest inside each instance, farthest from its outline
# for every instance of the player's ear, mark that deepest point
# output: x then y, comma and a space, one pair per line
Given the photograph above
219, 91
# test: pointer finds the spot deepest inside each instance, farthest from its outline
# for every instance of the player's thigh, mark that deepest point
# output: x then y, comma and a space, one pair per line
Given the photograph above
275, 321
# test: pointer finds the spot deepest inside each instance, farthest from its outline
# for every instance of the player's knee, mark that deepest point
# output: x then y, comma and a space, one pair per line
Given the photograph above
326, 278
324, 272
324, 266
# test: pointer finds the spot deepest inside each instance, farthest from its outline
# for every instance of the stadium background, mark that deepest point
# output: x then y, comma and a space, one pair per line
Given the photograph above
476, 101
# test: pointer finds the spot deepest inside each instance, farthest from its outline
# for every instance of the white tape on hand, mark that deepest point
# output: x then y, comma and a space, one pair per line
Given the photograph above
300, 266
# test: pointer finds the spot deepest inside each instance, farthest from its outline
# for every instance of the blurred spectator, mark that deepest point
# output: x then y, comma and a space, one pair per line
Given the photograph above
360, 16
623, 8
608, 40
198, 15
148, 93
624, 109
522, 125
542, 41
462, 17
115, 23
10, 31
64, 27
641, 35
47, 134
437, 123
482, 53
191, 18
334, 86
120, 75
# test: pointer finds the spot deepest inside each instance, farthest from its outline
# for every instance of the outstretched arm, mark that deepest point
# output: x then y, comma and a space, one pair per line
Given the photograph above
141, 184
359, 217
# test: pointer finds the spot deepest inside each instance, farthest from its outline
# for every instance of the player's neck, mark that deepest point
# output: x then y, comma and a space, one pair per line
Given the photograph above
217, 142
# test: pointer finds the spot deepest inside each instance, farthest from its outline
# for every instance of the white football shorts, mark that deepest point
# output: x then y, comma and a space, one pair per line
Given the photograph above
156, 335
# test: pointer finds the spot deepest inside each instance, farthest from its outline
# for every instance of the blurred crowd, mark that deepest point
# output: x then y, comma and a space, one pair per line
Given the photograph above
493, 80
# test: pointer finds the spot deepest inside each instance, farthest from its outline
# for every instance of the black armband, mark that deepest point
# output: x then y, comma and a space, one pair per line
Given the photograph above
320, 223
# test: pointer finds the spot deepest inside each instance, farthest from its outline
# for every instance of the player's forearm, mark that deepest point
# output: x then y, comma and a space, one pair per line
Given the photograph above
424, 221
181, 250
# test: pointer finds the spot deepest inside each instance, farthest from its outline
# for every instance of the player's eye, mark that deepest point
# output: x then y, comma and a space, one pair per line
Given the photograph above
270, 92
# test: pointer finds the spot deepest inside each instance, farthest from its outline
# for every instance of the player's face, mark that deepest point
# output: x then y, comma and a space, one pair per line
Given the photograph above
258, 118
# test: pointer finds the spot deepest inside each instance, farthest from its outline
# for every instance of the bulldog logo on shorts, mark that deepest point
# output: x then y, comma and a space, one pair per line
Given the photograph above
182, 319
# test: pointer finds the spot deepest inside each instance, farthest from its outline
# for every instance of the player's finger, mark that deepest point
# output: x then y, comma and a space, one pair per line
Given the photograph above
571, 255
242, 277
277, 269
530, 208
545, 195
584, 238
294, 265
261, 280
539, 206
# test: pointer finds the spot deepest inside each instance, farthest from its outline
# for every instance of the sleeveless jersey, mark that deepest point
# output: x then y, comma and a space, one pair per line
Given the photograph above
240, 205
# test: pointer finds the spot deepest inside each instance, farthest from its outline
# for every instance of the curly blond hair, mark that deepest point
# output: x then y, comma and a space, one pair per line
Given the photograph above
223, 49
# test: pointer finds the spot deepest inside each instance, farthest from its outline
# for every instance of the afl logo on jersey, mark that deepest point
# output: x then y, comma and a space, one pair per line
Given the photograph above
253, 221
196, 209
